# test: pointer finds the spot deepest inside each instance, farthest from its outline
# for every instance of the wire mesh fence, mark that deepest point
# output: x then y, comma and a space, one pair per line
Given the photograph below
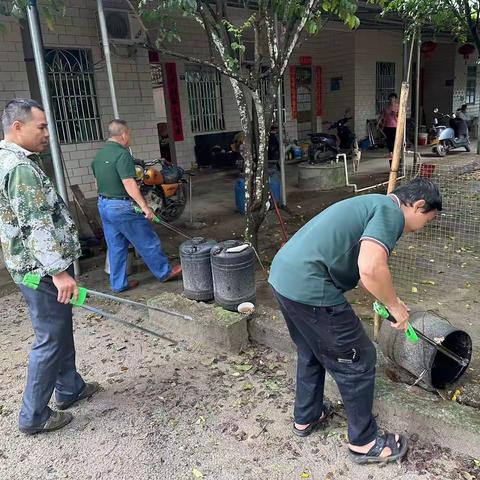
444, 257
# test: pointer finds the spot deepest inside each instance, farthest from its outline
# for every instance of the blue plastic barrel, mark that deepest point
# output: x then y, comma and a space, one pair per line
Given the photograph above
240, 195
275, 187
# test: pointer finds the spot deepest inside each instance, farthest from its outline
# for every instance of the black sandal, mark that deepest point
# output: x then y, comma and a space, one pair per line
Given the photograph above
315, 425
386, 440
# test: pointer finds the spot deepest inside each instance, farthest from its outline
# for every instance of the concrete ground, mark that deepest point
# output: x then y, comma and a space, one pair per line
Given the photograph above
147, 426
176, 413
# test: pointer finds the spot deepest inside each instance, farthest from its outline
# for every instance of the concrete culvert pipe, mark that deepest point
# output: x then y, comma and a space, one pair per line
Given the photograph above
422, 359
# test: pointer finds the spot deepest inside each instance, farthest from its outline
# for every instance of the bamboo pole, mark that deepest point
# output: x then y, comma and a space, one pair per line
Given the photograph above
392, 180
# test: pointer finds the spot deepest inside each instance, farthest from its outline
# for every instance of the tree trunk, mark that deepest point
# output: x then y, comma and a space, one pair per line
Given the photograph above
255, 153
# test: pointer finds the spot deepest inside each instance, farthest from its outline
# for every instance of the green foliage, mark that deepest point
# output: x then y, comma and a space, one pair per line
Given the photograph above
456, 16
50, 10
290, 14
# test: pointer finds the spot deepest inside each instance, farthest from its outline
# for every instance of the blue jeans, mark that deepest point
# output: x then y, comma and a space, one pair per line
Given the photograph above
51, 363
332, 339
122, 226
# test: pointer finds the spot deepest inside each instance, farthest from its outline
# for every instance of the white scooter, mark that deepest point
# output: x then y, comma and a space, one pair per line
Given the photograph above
453, 136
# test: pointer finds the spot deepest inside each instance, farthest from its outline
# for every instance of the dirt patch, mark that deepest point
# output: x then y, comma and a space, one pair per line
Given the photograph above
179, 413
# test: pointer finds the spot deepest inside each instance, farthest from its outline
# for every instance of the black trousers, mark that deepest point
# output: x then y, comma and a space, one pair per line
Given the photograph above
332, 339
390, 133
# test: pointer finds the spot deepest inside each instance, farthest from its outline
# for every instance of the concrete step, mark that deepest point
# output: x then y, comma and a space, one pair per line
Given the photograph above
211, 326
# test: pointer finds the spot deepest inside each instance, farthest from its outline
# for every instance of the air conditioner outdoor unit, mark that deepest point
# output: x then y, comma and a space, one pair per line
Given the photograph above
123, 27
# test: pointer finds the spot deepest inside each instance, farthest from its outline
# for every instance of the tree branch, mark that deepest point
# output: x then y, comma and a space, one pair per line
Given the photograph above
198, 61
284, 59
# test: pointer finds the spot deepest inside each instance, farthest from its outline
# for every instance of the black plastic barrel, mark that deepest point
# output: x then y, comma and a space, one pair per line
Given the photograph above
233, 274
196, 269
423, 360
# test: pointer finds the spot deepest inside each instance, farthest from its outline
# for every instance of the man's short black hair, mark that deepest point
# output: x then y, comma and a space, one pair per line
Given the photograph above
18, 109
392, 95
420, 189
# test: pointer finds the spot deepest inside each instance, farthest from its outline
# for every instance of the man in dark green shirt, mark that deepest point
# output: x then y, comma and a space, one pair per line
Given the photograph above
346, 245
114, 170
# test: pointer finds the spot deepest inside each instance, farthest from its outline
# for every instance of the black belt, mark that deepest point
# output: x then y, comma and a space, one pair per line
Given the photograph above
114, 198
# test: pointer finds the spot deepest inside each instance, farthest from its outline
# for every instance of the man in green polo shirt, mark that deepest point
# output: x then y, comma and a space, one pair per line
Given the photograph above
114, 170
346, 245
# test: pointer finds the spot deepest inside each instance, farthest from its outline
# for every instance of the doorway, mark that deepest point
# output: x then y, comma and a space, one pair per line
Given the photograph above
304, 81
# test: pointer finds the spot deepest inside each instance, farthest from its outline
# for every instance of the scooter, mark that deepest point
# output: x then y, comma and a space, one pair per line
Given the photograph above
344, 134
453, 136
325, 147
164, 187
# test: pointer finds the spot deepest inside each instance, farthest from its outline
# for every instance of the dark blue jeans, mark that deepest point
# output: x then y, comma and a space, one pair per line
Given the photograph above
122, 226
332, 339
51, 363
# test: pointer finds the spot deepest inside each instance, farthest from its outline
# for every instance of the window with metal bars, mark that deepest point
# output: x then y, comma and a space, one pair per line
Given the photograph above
205, 102
385, 84
74, 99
157, 75
471, 88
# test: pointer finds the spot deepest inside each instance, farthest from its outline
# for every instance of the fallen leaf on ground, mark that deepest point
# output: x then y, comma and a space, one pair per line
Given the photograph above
197, 473
208, 361
456, 394
305, 475
245, 367
272, 385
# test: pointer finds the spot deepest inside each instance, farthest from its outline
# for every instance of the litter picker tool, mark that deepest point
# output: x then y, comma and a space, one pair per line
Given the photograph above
159, 221
413, 335
31, 280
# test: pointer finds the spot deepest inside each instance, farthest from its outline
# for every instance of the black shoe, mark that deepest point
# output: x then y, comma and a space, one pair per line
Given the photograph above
56, 421
89, 390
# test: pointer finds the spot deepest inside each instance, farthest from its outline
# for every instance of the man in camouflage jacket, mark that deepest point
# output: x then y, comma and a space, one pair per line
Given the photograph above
38, 236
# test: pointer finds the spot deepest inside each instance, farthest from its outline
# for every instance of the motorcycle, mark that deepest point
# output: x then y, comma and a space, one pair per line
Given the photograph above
453, 136
163, 186
325, 147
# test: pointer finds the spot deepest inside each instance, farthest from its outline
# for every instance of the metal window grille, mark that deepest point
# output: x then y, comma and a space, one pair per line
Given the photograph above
385, 84
471, 84
205, 103
74, 99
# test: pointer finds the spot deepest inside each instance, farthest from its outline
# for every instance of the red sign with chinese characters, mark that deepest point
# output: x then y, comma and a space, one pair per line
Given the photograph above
305, 60
319, 103
293, 91
174, 97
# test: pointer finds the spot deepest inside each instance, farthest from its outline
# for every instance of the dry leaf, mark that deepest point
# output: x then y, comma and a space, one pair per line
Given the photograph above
197, 473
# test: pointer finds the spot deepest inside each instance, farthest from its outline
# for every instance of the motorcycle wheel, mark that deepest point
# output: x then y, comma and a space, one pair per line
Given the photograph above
440, 149
173, 209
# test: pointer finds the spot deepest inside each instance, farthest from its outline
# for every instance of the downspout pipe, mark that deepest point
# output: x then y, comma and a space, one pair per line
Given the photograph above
108, 57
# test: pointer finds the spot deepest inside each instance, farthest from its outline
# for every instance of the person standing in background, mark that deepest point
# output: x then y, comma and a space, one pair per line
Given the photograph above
388, 122
114, 171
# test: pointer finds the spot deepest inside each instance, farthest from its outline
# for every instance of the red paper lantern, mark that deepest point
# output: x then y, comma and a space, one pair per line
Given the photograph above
428, 48
466, 50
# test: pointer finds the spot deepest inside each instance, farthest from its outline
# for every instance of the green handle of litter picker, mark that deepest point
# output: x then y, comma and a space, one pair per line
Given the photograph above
140, 212
31, 280
82, 296
384, 313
